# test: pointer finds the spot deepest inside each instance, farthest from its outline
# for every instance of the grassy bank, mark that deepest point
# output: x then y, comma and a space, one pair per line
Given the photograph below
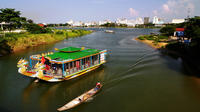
13, 42
155, 41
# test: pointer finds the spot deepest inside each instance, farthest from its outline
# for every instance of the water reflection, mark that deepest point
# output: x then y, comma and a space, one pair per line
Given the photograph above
134, 74
67, 89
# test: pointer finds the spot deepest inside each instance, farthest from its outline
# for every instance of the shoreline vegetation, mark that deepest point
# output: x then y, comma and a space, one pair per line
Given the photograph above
13, 42
18, 33
154, 41
184, 46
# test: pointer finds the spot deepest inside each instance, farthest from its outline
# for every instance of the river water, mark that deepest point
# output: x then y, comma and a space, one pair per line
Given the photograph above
136, 78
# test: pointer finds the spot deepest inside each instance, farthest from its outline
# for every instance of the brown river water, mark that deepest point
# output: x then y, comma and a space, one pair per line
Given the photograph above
136, 78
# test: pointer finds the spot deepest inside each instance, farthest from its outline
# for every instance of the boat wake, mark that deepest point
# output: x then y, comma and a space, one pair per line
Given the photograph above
126, 74
90, 99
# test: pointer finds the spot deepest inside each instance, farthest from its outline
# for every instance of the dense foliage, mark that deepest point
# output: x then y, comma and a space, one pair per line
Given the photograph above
12, 17
192, 30
109, 25
18, 41
13, 20
36, 29
168, 30
154, 38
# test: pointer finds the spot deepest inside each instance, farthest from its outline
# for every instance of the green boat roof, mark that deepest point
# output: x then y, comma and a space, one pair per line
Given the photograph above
69, 49
75, 54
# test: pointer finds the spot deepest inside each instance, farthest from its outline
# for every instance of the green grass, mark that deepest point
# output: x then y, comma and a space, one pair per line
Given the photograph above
163, 37
156, 39
153, 37
141, 37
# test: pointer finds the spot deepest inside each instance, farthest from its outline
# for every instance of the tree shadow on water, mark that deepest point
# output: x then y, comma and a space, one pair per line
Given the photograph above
4, 48
190, 66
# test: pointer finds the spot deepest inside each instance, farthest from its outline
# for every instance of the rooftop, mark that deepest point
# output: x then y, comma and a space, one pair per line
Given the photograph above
71, 53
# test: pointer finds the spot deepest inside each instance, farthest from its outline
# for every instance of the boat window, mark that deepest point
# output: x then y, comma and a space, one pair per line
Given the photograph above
71, 65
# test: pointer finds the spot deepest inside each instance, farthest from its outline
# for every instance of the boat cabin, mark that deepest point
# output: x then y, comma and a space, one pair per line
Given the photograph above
68, 61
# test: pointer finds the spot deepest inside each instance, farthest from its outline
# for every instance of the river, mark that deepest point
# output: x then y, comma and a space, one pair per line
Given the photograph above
136, 78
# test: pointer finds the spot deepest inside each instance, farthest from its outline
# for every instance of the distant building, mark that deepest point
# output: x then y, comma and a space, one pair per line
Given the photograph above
157, 21
70, 22
78, 23
3, 23
104, 22
87, 24
122, 21
139, 21
131, 23
177, 21
146, 20
90, 23
41, 25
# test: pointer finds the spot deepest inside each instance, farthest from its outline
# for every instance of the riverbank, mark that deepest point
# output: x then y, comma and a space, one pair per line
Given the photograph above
187, 54
13, 42
155, 42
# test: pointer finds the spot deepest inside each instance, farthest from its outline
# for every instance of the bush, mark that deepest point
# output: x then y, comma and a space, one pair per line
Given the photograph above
150, 37
36, 29
163, 37
141, 38
47, 30
59, 32
168, 30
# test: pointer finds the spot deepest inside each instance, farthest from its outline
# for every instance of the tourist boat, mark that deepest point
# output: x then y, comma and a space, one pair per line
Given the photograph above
109, 31
64, 64
80, 99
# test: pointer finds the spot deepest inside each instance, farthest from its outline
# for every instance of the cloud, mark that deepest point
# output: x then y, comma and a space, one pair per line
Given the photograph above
179, 6
178, 9
133, 12
166, 8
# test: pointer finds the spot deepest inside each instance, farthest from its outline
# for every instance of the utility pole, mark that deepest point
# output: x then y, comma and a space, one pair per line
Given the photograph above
188, 16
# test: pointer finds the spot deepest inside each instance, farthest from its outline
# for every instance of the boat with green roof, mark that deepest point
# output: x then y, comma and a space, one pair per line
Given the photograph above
64, 64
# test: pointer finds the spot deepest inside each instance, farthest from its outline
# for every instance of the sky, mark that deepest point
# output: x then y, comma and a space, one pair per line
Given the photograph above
61, 11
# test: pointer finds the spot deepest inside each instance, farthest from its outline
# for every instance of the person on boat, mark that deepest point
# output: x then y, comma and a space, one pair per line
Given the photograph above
43, 60
98, 86
79, 99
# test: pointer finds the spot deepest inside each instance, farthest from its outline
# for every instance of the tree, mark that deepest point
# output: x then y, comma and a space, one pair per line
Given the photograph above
36, 29
11, 16
192, 30
168, 30
33, 28
109, 25
30, 21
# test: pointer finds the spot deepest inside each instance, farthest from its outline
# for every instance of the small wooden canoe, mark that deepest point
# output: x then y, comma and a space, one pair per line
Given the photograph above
80, 99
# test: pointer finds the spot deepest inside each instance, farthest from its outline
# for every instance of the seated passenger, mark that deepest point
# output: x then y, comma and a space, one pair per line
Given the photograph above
98, 86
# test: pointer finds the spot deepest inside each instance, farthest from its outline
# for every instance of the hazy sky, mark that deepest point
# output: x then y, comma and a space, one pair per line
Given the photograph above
60, 11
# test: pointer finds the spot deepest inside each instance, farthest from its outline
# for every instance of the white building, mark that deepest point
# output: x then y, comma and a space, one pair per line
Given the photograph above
157, 20
177, 21
131, 23
93, 23
87, 24
122, 21
77, 23
70, 22
139, 21
104, 22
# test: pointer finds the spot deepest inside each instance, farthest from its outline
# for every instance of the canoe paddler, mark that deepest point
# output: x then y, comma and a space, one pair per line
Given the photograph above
98, 85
